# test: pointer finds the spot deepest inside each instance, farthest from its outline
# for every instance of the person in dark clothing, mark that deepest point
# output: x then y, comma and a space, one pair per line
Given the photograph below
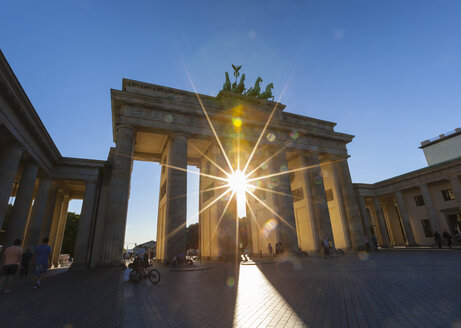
375, 243
146, 259
25, 259
447, 237
438, 239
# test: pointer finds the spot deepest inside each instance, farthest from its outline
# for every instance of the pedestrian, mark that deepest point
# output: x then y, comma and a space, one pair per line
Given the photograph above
375, 243
331, 250
458, 237
277, 249
42, 261
269, 249
25, 259
367, 243
146, 259
438, 239
245, 255
11, 258
446, 235
325, 248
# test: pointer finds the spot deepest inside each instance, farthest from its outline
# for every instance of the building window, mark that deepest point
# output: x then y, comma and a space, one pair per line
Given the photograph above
448, 195
329, 195
427, 227
298, 194
419, 200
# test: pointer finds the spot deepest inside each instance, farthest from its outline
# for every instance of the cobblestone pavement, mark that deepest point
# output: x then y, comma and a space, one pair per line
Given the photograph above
390, 289
69, 299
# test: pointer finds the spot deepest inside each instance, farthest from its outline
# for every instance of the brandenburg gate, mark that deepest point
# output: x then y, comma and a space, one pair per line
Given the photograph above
294, 170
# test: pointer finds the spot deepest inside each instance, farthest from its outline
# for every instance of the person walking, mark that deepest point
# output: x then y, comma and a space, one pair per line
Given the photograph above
42, 260
269, 249
325, 248
438, 239
25, 259
277, 249
375, 243
11, 258
367, 243
446, 235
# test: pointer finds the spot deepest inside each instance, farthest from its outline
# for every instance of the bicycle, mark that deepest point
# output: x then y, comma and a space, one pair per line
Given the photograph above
139, 272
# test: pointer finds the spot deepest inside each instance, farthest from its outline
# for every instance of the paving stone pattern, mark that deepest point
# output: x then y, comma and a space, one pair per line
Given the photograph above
71, 299
393, 289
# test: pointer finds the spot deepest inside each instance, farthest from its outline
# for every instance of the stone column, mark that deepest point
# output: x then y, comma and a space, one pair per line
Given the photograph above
38, 212
176, 185
17, 221
119, 194
319, 199
55, 219
350, 202
406, 220
49, 211
84, 226
342, 207
9, 163
60, 230
456, 187
283, 205
432, 213
363, 212
310, 204
381, 222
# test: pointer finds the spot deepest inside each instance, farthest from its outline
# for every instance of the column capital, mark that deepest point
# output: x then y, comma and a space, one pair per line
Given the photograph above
179, 134
14, 145
125, 126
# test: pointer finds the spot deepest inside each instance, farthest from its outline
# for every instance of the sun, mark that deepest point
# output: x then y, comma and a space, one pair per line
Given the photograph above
239, 185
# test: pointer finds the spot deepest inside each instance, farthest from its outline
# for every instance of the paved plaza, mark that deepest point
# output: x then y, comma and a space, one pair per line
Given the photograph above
390, 289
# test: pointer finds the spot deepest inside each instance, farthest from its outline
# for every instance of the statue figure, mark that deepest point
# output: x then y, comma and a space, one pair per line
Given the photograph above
254, 92
267, 93
227, 84
239, 87
236, 69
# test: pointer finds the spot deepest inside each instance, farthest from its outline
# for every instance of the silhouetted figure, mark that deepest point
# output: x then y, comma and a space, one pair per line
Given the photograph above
367, 243
11, 258
375, 243
447, 237
25, 260
438, 239
42, 261
326, 247
269, 249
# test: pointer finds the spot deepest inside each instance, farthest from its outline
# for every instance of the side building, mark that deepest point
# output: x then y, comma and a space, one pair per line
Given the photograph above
408, 209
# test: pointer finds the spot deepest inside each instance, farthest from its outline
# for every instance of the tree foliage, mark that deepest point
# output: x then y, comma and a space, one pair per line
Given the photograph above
192, 236
70, 234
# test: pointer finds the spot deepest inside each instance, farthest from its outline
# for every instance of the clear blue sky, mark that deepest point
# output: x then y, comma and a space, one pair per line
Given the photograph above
388, 72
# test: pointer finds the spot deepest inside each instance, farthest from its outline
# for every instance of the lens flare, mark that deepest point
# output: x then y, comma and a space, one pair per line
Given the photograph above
237, 122
268, 227
230, 282
364, 256
239, 185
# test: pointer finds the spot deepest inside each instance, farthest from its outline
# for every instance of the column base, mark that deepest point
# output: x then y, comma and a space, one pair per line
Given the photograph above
78, 267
